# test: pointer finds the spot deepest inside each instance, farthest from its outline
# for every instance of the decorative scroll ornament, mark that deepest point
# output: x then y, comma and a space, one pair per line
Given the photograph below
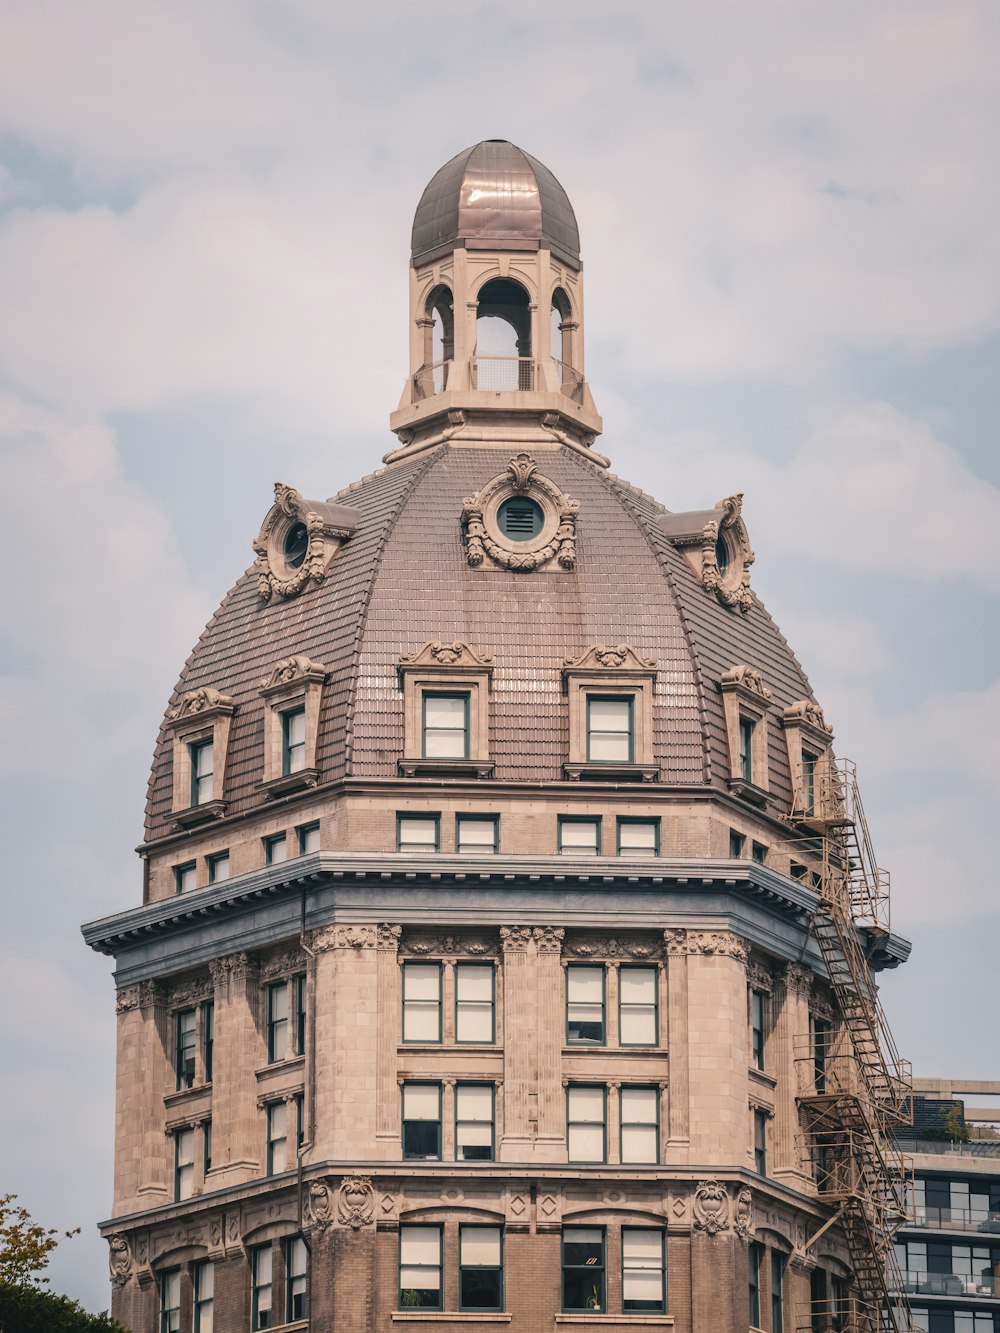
608, 946
293, 669
733, 587
711, 1207
320, 1205
326, 525
356, 1202
557, 538
435, 653
119, 1259
721, 943
601, 658
745, 678
743, 1215
425, 945
806, 712
196, 702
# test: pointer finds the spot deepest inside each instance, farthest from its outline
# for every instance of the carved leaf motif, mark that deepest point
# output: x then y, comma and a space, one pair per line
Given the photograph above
356, 1202
119, 1259
711, 1207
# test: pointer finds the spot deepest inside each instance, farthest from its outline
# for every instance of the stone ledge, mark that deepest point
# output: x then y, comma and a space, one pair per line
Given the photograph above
660, 1320
447, 1317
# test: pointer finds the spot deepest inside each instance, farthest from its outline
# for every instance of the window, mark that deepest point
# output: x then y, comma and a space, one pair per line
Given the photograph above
758, 1010
422, 1122
475, 1020
422, 1002
643, 1271
609, 729
758, 853
797, 870
260, 1267
308, 835
583, 1269
638, 1016
638, 837
445, 726
277, 1137
418, 833
579, 836
737, 845
480, 1268
204, 1297
202, 772
747, 726
760, 1142
185, 1027
185, 877
208, 1038
300, 1120
777, 1292
296, 1279
293, 741
474, 1122
822, 1040
584, 1005
275, 849
753, 1266
586, 1134
183, 1164
420, 1268
809, 762
520, 518
298, 985
841, 1304
640, 1124
206, 1146
170, 1301
218, 867
277, 1022
477, 833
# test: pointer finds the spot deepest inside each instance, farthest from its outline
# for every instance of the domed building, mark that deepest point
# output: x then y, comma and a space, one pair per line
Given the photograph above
508, 925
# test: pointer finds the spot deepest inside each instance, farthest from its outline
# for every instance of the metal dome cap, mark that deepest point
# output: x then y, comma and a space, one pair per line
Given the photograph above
495, 196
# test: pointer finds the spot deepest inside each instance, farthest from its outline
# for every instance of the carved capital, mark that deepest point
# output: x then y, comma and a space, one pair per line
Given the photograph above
344, 937
798, 980
515, 939
743, 1215
760, 976
721, 943
126, 998
548, 939
152, 994
234, 967
387, 938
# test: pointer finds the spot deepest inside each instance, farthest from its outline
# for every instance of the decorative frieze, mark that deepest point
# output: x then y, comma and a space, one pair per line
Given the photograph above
344, 937
426, 945
282, 963
234, 967
721, 943
798, 980
192, 990
611, 946
759, 976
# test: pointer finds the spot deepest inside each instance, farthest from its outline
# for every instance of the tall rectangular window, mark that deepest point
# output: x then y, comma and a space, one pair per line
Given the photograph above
206, 1146
753, 1272
218, 867
446, 726
747, 726
809, 762
300, 1120
584, 1005
293, 741
208, 1038
204, 1297
296, 1280
422, 1122
420, 1268
275, 849
202, 771
477, 833
277, 1022
298, 985
475, 1003
277, 1138
579, 836
758, 853
480, 1268
422, 1002
638, 837
185, 877
583, 1269
777, 1292
586, 1130
261, 1312
474, 1133
640, 1124
760, 1142
644, 1285
170, 1301
737, 845
183, 1164
758, 1011
185, 1027
822, 1040
638, 1006
842, 1307
418, 833
609, 730
308, 836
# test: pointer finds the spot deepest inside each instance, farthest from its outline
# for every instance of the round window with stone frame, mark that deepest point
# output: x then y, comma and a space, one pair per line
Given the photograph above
288, 547
729, 559
521, 521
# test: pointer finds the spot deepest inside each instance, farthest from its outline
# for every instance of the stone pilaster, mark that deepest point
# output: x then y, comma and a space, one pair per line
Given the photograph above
550, 1104
154, 1072
237, 1132
679, 1107
791, 1028
387, 980
520, 1016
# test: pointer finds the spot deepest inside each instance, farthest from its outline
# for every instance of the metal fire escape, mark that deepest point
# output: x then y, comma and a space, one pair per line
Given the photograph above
855, 1087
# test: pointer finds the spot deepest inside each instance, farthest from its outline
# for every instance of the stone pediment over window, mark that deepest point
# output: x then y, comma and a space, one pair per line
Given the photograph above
716, 545
610, 697
446, 690
746, 700
520, 521
199, 724
292, 695
297, 541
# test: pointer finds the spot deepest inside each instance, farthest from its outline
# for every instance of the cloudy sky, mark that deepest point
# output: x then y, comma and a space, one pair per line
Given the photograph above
788, 212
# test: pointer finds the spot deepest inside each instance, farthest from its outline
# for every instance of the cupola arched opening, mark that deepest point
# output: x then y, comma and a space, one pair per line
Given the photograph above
503, 337
438, 325
562, 328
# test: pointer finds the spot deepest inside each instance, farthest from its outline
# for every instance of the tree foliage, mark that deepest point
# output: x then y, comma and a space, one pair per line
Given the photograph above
28, 1309
25, 1246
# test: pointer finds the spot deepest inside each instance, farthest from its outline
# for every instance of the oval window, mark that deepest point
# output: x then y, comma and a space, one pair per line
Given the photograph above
722, 556
296, 545
520, 518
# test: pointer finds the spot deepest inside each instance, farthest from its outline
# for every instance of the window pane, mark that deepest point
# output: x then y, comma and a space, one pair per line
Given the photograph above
637, 985
639, 1105
639, 1144
476, 835
421, 1021
610, 714
587, 1104
585, 984
579, 836
444, 711
475, 1021
637, 839
421, 981
419, 1245
418, 833
295, 727
444, 744
586, 1143
480, 1245
421, 1101
611, 749
474, 981
277, 850
583, 1246
474, 1103
308, 839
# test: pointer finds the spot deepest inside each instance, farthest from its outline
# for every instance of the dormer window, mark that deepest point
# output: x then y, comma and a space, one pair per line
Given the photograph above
446, 690
745, 702
293, 741
809, 762
747, 728
292, 696
202, 771
815, 793
610, 696
200, 725
445, 725
609, 729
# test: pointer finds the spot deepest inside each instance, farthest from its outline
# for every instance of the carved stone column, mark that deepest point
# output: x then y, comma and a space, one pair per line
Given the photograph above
678, 1049
519, 1063
144, 1077
387, 1126
791, 1027
239, 1051
550, 1104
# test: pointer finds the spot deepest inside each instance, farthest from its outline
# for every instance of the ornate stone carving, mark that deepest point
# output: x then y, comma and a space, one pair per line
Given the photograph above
711, 1207
119, 1259
205, 700
798, 979
191, 991
326, 525
387, 938
609, 946
344, 937
710, 942
733, 587
356, 1202
548, 939
448, 944
743, 1215
292, 669
622, 657
746, 678
234, 967
320, 1205
126, 998
282, 963
760, 976
557, 538
151, 994
806, 712
515, 939
435, 653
